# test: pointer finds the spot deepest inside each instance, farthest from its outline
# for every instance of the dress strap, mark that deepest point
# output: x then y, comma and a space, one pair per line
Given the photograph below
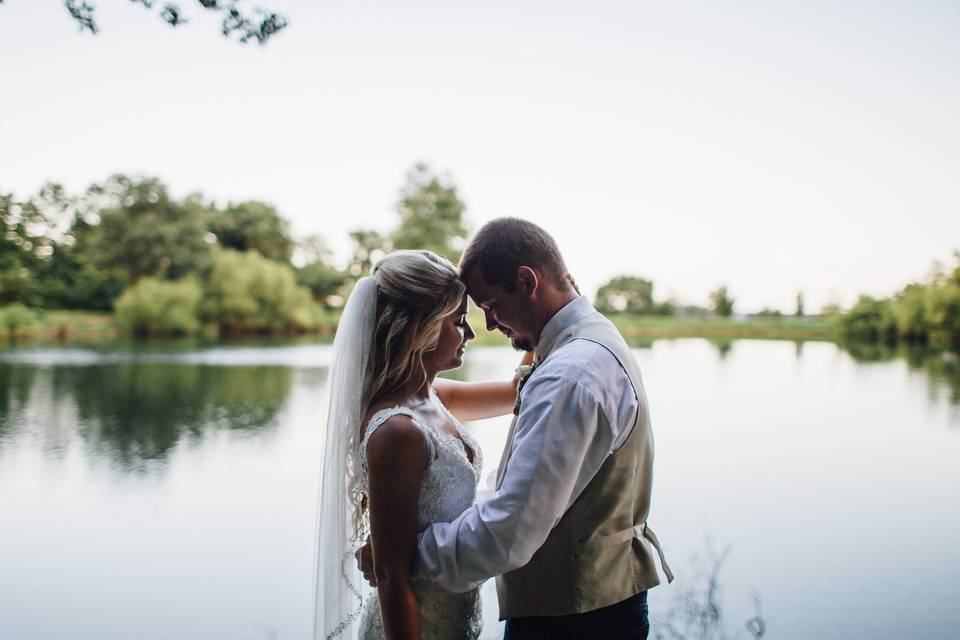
380, 417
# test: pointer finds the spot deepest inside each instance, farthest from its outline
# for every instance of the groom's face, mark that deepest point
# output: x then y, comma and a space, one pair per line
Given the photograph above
509, 313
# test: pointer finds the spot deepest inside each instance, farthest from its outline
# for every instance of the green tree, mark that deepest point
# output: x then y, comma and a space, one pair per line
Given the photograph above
18, 253
235, 19
909, 311
142, 231
313, 248
800, 306
665, 308
68, 281
942, 308
317, 271
431, 215
66, 275
323, 280
721, 303
368, 246
869, 320
626, 293
832, 307
33, 230
253, 226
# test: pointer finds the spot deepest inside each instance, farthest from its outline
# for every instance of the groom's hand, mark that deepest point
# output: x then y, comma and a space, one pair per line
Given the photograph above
364, 556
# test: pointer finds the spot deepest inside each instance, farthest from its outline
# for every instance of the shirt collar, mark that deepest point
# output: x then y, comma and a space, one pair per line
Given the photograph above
573, 311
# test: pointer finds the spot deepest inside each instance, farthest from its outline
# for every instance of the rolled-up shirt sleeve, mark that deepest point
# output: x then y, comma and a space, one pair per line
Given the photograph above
561, 439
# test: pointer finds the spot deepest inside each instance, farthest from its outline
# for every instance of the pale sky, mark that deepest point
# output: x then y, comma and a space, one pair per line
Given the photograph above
768, 146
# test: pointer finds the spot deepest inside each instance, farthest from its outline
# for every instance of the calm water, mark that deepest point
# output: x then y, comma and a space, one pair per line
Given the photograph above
172, 494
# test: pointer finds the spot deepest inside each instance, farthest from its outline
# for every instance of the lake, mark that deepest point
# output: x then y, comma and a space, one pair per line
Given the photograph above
165, 492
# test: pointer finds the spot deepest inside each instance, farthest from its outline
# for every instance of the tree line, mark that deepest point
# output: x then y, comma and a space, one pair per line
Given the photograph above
183, 266
633, 295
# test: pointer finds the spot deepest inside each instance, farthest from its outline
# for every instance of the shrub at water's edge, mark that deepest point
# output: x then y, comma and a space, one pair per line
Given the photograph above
156, 307
16, 320
247, 293
241, 293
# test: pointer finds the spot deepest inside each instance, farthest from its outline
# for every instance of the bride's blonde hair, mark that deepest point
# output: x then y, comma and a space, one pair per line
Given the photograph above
416, 290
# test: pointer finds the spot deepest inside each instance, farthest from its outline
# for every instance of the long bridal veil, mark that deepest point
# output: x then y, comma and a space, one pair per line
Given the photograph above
339, 586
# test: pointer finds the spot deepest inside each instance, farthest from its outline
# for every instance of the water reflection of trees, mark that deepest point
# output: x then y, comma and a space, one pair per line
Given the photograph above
639, 342
696, 611
941, 368
16, 381
136, 413
723, 346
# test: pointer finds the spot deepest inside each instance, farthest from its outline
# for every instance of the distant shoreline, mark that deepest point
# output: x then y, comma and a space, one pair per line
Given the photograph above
67, 326
771, 328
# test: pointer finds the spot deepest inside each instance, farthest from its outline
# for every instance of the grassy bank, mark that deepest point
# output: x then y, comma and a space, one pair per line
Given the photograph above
646, 328
769, 328
67, 326
21, 324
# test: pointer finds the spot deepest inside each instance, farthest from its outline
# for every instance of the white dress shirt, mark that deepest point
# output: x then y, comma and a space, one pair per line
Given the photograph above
577, 408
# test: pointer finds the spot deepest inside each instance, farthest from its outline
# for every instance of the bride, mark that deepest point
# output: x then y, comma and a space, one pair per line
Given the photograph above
396, 456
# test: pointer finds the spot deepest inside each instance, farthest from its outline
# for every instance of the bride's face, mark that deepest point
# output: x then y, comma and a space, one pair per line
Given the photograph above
455, 332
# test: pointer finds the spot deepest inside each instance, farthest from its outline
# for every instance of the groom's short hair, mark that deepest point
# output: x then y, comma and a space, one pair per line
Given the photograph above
503, 245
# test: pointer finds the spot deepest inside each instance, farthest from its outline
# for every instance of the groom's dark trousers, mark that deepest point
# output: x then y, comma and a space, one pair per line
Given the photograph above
627, 620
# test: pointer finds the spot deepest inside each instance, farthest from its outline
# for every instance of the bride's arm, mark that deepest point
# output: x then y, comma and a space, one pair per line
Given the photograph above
479, 400
396, 458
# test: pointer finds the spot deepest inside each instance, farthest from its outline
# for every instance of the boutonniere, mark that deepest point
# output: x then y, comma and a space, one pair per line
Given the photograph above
523, 372
520, 375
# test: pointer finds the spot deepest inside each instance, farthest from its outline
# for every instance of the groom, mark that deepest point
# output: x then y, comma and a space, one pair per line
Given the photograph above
566, 530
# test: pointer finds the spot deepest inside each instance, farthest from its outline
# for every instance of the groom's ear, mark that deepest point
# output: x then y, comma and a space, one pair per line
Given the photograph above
527, 280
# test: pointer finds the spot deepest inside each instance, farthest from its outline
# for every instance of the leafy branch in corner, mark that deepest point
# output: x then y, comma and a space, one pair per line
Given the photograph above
236, 20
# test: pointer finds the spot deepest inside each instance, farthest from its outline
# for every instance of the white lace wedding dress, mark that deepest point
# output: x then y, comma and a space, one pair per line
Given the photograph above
449, 488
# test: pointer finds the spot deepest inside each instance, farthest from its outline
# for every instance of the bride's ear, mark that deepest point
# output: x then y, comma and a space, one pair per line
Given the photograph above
527, 280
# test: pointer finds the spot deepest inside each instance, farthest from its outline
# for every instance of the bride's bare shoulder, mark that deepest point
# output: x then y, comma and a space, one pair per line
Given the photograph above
400, 421
398, 439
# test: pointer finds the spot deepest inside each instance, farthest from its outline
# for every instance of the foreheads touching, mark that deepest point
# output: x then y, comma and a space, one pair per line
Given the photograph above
514, 272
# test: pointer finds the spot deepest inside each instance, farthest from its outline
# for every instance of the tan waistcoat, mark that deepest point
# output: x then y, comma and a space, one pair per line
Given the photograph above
600, 551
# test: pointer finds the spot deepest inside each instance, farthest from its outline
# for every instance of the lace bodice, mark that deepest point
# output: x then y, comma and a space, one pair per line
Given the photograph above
449, 488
